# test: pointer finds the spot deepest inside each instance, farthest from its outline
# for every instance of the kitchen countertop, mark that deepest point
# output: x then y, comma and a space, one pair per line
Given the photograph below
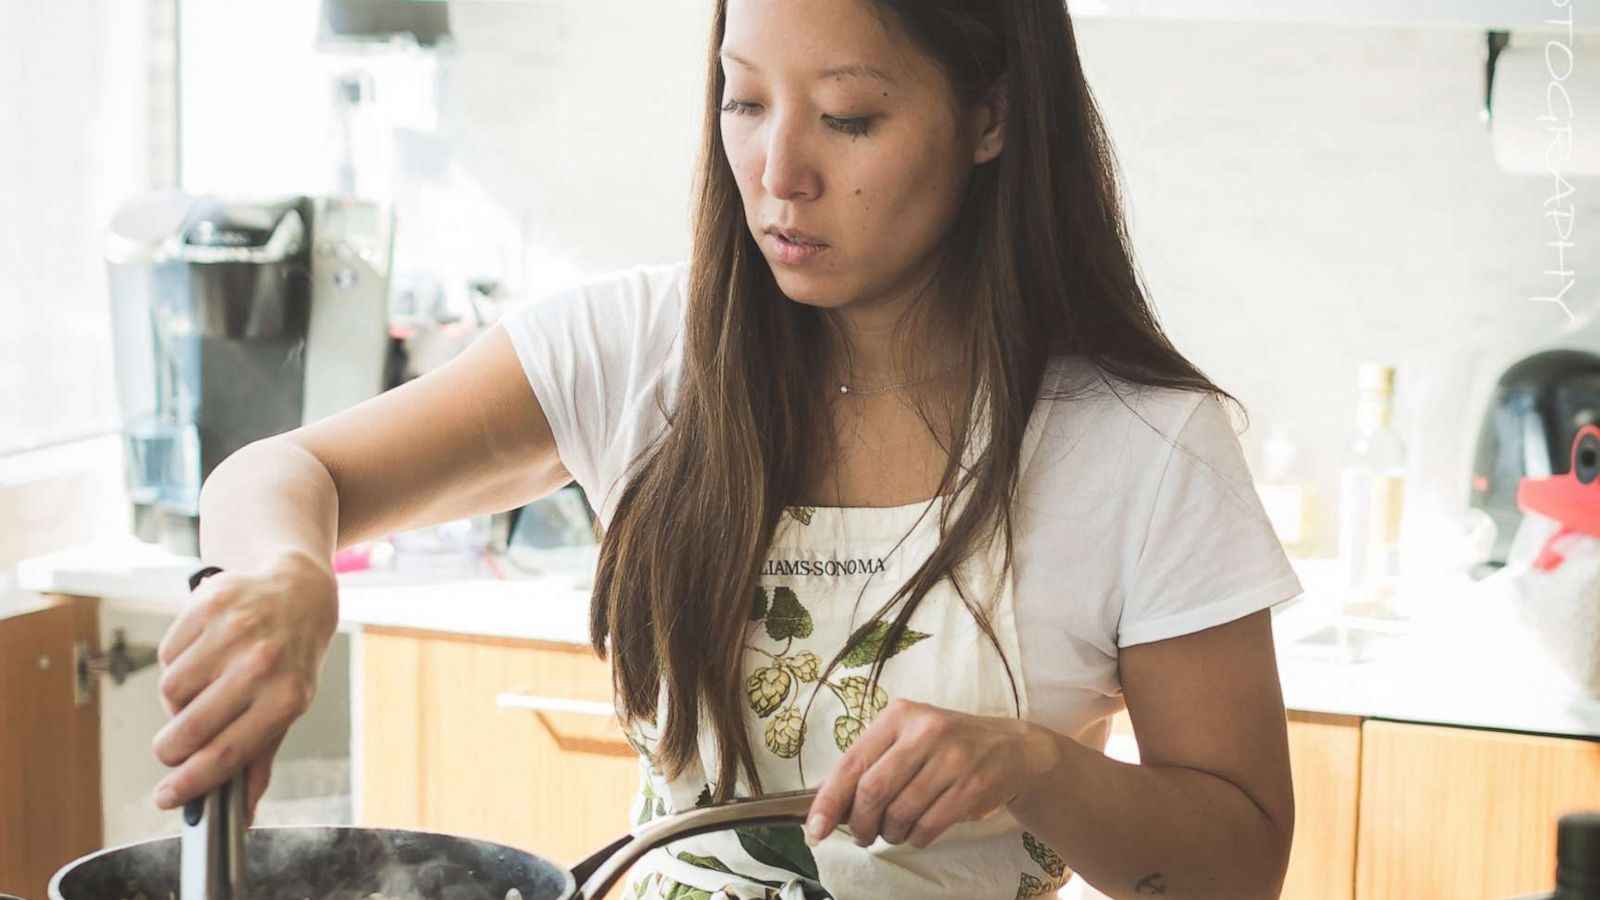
549, 604
1465, 659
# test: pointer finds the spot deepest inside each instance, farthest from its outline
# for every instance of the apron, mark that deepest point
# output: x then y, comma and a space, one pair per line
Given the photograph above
827, 572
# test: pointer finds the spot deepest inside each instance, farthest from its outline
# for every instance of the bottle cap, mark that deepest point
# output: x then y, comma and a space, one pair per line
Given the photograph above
1375, 376
1578, 856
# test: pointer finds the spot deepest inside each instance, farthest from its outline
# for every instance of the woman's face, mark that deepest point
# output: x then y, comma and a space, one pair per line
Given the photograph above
839, 128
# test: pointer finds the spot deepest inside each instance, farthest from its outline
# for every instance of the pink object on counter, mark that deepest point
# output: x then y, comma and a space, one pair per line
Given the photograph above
353, 559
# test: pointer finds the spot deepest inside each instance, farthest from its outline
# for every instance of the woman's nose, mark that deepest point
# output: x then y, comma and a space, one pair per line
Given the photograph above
789, 173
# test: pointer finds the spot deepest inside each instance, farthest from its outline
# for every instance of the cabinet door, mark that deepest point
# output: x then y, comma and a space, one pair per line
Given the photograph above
1451, 812
1325, 754
513, 742
49, 744
388, 730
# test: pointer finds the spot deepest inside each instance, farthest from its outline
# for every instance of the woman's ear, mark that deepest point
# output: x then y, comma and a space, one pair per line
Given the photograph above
990, 124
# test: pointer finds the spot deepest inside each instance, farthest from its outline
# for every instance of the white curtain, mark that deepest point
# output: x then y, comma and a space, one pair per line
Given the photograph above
86, 119
86, 109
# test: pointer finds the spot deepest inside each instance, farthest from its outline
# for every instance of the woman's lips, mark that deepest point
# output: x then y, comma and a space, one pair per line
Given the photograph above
792, 252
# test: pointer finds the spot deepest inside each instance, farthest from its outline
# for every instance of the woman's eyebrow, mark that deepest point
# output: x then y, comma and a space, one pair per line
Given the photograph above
856, 70
849, 70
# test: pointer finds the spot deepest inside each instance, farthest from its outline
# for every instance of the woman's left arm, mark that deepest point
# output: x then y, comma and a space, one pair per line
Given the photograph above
1208, 812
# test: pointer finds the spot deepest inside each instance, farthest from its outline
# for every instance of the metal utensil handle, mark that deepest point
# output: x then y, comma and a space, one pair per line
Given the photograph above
212, 849
212, 864
602, 870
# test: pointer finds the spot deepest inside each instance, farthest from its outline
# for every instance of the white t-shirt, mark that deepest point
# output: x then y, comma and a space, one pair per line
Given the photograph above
1120, 539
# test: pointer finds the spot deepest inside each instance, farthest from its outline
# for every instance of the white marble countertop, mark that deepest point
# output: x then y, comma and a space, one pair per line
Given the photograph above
1464, 659
548, 604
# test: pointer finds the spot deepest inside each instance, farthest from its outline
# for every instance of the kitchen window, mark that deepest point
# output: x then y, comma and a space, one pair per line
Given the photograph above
87, 92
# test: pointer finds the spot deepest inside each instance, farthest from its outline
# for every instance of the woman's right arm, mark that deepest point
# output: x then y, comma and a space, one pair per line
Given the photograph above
466, 439
241, 663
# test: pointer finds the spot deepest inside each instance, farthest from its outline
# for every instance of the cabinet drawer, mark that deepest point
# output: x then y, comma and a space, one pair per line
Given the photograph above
513, 742
1461, 813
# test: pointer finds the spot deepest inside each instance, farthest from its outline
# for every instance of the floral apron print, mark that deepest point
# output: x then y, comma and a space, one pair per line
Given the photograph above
827, 572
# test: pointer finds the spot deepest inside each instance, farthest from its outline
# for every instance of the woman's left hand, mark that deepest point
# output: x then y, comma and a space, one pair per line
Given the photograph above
918, 769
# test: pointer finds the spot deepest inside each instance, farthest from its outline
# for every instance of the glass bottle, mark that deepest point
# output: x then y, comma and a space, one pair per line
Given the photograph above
1371, 488
1289, 499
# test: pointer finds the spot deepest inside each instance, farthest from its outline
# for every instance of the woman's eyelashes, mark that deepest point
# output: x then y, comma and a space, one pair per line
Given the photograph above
854, 126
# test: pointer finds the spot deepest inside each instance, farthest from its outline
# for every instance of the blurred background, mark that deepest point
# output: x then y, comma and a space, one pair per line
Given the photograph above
1372, 222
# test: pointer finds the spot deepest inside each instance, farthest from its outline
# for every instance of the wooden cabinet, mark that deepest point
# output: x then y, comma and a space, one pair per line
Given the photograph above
510, 741
1325, 756
1465, 814
1397, 811
49, 743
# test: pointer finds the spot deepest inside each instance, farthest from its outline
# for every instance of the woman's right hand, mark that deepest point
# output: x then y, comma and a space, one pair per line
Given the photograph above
238, 667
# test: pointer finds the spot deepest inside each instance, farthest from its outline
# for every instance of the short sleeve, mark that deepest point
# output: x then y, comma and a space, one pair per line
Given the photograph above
601, 360
1209, 554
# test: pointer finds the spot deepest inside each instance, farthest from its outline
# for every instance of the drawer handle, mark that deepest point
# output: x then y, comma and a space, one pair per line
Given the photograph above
519, 700
539, 705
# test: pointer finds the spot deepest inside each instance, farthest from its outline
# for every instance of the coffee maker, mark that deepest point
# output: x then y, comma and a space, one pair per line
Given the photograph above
1537, 407
234, 320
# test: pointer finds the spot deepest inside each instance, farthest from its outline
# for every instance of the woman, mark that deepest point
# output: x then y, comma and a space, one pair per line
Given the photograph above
905, 490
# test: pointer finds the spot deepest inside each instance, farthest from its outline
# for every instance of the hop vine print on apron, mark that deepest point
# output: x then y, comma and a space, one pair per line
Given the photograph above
827, 573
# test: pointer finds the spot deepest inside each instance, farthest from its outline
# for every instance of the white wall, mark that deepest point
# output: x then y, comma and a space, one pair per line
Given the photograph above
1305, 197
556, 140
1302, 197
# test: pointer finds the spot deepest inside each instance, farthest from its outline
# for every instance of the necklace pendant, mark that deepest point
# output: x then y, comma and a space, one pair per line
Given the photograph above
844, 389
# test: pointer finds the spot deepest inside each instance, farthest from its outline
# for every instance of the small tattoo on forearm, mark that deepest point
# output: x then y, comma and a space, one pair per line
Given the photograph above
1151, 884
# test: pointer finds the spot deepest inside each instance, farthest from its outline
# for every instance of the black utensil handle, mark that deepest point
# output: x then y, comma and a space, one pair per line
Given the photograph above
201, 575
194, 810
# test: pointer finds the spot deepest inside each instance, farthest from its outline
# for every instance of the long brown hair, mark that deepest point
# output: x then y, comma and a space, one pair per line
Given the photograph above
1040, 261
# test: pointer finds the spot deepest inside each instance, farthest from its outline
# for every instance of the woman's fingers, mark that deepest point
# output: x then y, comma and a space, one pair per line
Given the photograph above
838, 790
224, 633
199, 665
882, 789
239, 666
951, 806
239, 742
191, 622
204, 717
933, 786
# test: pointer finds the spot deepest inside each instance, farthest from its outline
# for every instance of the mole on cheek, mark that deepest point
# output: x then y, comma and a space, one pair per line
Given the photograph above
858, 192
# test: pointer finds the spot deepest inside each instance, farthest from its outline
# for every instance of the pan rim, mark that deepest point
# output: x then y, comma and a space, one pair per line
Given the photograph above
53, 889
